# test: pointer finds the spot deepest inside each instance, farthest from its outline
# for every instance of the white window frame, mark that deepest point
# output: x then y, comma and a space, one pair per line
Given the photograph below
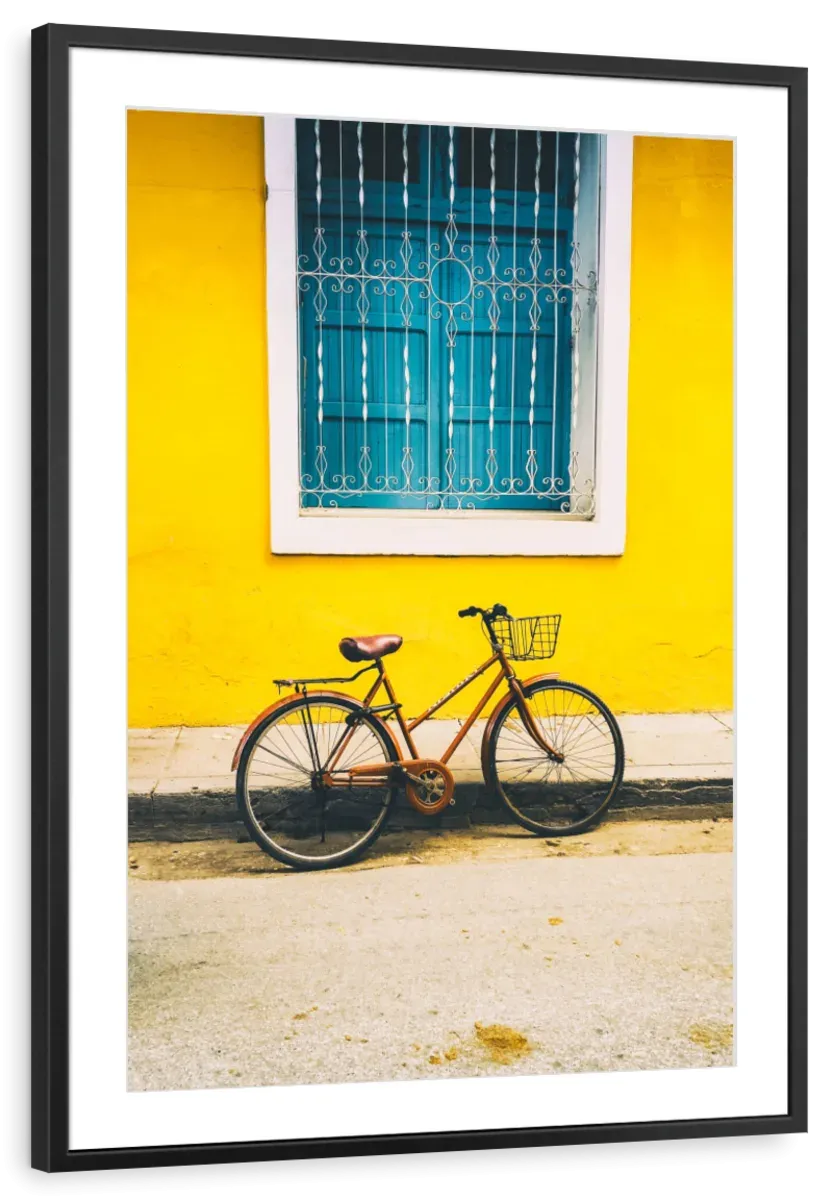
603, 436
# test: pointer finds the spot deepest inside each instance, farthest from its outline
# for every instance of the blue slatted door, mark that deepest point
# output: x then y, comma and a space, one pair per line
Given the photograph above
335, 466
349, 422
373, 457
512, 437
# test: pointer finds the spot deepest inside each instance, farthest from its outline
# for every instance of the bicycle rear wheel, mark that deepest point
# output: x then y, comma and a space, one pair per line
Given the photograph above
285, 807
544, 794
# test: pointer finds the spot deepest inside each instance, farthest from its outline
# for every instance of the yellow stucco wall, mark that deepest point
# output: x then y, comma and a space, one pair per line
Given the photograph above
213, 616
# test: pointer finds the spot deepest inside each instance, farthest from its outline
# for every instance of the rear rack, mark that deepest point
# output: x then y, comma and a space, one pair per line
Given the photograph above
296, 682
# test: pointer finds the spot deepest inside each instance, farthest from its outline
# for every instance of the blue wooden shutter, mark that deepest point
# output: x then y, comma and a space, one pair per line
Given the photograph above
387, 322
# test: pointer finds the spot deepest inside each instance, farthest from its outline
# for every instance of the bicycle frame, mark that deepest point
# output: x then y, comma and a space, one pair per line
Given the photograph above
382, 774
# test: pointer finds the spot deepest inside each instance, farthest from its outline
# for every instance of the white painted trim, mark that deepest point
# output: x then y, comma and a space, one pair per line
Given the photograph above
613, 331
282, 328
342, 531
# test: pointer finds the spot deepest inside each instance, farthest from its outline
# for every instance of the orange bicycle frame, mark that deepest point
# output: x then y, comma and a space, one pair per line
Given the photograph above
381, 774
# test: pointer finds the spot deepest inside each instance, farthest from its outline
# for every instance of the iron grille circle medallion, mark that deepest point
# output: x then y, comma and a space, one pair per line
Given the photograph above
455, 280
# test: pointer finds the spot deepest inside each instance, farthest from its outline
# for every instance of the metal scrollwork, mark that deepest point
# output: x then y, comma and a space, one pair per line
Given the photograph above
449, 281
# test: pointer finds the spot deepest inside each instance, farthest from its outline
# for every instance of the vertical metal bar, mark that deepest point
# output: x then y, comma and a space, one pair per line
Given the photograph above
320, 409
362, 304
515, 317
319, 304
451, 325
408, 461
494, 313
534, 309
301, 381
428, 318
385, 301
472, 328
342, 302
553, 484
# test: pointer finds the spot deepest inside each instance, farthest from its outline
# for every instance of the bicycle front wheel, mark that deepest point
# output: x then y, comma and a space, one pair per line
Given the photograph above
568, 791
284, 803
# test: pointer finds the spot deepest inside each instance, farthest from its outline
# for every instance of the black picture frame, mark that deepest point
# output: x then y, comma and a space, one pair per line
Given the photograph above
51, 46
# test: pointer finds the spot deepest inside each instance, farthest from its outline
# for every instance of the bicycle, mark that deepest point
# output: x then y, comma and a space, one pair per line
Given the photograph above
318, 771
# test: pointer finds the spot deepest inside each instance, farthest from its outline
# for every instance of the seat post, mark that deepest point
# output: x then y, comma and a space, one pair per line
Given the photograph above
381, 678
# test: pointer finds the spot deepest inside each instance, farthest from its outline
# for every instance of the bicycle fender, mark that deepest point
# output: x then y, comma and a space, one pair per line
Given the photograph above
503, 703
273, 708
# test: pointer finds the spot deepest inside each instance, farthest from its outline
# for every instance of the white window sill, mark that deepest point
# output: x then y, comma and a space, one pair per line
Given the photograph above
480, 534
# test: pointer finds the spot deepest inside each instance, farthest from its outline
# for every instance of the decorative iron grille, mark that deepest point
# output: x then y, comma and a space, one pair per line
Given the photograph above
447, 288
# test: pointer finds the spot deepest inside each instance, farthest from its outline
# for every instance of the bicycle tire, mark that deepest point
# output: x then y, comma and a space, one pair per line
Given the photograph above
501, 788
250, 818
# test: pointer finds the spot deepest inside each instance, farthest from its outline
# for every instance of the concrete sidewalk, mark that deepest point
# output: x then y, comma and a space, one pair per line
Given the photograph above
182, 775
183, 759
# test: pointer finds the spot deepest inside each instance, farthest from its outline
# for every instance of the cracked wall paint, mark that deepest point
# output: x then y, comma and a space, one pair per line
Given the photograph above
213, 616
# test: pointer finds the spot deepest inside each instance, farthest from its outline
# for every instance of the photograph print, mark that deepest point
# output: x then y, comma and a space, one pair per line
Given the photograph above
430, 600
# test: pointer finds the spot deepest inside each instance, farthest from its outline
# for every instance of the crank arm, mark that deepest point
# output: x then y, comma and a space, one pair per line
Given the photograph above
412, 778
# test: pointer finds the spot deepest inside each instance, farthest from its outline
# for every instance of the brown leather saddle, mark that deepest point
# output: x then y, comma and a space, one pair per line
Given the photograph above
369, 649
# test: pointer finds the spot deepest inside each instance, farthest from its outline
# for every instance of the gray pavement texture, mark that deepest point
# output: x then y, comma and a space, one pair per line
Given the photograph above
432, 971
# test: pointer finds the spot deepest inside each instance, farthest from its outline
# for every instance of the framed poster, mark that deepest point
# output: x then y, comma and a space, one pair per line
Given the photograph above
419, 475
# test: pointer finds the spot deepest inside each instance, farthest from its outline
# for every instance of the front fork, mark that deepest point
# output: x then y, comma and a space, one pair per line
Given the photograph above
529, 722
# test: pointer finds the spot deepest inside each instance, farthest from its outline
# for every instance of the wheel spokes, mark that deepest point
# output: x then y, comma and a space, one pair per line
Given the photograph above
549, 791
284, 787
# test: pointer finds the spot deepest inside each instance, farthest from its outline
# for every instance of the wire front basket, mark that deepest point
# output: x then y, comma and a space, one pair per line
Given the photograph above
526, 638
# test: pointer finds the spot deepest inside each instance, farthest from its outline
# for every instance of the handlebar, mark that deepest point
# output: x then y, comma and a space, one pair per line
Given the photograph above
489, 614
